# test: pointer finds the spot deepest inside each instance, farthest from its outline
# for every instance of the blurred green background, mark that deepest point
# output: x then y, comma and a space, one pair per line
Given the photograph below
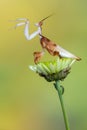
28, 102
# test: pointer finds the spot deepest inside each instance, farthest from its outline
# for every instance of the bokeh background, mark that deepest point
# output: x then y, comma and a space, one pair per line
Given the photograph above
28, 102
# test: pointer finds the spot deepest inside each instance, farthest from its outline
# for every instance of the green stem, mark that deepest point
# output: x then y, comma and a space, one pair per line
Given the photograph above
59, 89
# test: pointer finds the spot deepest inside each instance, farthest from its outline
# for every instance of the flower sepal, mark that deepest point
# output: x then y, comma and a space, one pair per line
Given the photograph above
56, 76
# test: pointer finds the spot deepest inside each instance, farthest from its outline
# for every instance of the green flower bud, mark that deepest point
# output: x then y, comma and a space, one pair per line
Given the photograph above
53, 70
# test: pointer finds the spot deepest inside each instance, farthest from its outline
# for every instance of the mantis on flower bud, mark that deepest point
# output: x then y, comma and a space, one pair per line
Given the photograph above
47, 44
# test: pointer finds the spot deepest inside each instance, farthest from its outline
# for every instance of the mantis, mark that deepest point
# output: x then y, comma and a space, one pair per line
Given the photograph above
47, 44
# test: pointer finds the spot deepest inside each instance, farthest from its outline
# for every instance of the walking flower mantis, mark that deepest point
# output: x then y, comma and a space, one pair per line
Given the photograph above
47, 44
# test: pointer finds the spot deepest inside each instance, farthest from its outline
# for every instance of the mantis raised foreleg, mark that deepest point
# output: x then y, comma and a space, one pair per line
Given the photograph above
27, 28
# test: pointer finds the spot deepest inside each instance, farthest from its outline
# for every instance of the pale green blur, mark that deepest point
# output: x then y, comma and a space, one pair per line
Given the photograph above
27, 101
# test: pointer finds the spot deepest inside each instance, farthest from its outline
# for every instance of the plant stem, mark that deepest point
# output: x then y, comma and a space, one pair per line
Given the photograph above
59, 90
